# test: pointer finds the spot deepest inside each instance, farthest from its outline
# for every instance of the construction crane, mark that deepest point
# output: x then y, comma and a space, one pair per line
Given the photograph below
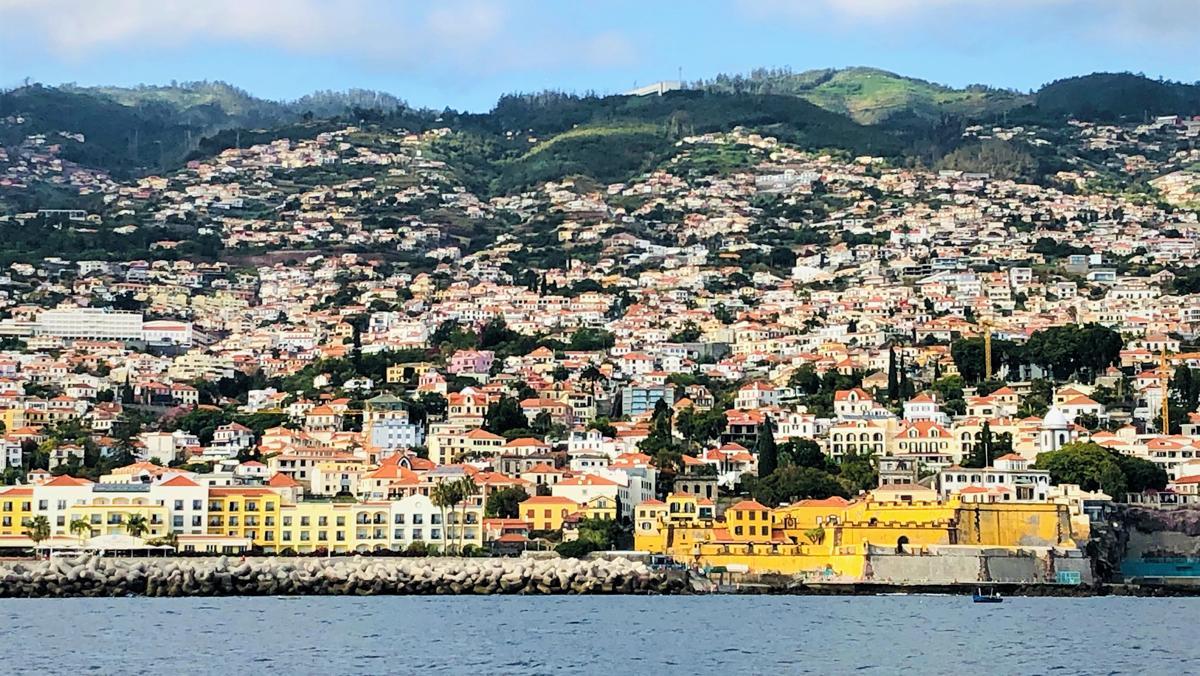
1164, 381
986, 326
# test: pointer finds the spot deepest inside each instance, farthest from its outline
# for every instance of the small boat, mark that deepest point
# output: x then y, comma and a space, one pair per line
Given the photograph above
990, 597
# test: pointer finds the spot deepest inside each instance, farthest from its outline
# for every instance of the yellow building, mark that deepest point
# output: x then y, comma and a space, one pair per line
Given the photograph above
546, 512
600, 507
306, 527
371, 526
338, 476
16, 509
245, 512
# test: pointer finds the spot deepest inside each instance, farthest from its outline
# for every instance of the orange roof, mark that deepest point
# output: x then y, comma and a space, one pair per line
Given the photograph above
65, 480
753, 505
280, 480
832, 501
526, 441
549, 500
587, 480
179, 480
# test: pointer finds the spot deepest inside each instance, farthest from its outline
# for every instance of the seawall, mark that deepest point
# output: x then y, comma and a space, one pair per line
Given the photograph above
281, 576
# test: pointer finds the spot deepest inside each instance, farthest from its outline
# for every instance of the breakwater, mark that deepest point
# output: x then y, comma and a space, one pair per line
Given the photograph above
281, 576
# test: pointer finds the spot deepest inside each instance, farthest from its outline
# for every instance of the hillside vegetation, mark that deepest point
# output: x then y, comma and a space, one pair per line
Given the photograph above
873, 96
870, 95
531, 138
1114, 96
132, 130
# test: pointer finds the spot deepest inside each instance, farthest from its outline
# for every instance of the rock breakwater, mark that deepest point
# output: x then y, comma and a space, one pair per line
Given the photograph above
280, 576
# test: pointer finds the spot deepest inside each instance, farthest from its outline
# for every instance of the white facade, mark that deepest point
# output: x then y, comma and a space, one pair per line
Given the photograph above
394, 433
167, 332
90, 323
416, 519
1009, 480
187, 505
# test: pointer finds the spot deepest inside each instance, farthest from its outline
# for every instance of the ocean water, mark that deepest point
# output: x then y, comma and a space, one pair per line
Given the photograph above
600, 635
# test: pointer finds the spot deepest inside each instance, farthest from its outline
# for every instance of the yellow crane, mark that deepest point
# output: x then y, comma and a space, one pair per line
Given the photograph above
986, 326
1164, 381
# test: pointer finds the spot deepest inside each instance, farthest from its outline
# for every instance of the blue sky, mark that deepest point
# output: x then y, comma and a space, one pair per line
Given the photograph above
465, 53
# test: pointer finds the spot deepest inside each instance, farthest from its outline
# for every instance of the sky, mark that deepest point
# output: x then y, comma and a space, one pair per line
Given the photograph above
466, 53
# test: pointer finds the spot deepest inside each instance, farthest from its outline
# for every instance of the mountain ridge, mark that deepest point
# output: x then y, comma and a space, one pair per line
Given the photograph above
138, 130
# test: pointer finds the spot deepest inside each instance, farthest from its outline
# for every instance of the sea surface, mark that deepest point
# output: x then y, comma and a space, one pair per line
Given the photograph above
600, 635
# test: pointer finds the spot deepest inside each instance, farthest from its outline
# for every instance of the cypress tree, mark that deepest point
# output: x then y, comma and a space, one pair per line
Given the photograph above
893, 391
764, 447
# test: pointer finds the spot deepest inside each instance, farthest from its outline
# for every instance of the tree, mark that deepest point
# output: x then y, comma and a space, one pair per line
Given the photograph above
604, 426
1068, 350
591, 340
505, 415
575, 549
765, 449
38, 530
1094, 467
981, 452
788, 484
505, 503
542, 422
690, 333
465, 490
804, 453
857, 473
806, 379
1141, 474
444, 496
80, 527
893, 391
136, 525
969, 357
594, 535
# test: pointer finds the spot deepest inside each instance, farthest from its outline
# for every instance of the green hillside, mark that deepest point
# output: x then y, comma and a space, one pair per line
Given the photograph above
120, 139
870, 95
131, 130
1114, 96
616, 137
530, 138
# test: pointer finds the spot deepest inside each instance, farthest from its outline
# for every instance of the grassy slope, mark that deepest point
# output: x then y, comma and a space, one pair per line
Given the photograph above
870, 96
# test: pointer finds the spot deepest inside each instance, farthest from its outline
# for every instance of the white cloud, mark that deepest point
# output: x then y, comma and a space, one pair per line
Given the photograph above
445, 35
1127, 20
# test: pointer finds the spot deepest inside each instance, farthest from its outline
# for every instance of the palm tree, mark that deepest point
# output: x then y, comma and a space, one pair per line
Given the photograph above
444, 495
465, 488
38, 529
80, 527
136, 525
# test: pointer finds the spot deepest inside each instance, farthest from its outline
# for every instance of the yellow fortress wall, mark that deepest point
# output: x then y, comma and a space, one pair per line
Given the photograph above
836, 538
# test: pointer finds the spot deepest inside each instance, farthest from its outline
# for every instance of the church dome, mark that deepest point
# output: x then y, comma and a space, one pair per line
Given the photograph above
1055, 420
